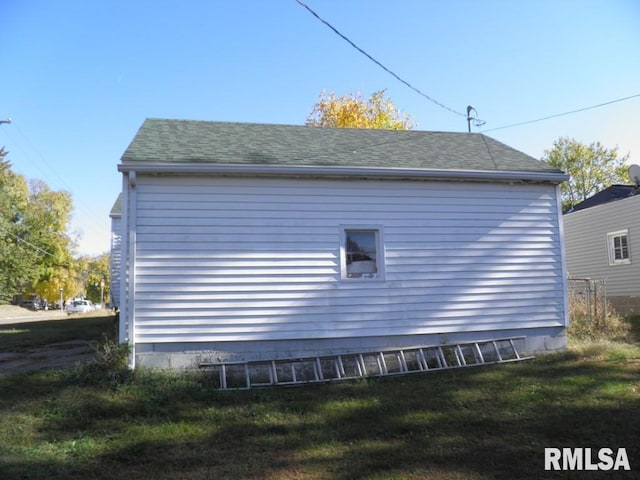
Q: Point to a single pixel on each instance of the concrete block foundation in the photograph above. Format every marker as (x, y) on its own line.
(181, 356)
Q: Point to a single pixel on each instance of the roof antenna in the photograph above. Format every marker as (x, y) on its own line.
(476, 121)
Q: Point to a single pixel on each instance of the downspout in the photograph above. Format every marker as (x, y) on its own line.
(131, 270)
(124, 262)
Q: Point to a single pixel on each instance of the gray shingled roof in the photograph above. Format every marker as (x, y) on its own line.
(187, 141)
(609, 194)
(116, 210)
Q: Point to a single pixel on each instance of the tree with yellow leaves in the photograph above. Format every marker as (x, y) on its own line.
(354, 111)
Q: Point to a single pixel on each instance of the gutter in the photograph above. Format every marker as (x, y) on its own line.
(335, 171)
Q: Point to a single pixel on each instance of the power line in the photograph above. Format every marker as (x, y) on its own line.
(35, 247)
(79, 205)
(563, 114)
(397, 77)
(419, 92)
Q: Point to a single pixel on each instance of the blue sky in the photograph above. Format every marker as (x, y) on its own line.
(79, 77)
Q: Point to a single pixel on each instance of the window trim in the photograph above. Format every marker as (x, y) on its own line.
(380, 256)
(611, 236)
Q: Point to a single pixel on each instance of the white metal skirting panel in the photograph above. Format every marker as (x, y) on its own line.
(259, 259)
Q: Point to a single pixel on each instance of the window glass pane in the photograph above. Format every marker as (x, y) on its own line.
(624, 247)
(620, 247)
(617, 248)
(361, 251)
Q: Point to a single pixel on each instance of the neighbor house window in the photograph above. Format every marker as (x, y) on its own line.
(618, 245)
(362, 253)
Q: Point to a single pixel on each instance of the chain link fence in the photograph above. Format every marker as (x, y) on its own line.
(588, 301)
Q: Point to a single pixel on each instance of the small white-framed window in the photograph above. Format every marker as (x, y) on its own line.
(361, 253)
(618, 247)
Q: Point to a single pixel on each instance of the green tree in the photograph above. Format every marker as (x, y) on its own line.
(353, 111)
(17, 268)
(97, 271)
(35, 250)
(592, 168)
(47, 221)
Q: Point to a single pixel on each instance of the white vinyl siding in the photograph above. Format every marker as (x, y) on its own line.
(115, 255)
(243, 259)
(588, 249)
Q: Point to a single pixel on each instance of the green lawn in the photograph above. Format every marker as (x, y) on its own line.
(483, 423)
(21, 336)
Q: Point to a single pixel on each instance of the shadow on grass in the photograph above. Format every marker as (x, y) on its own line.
(634, 321)
(22, 336)
(472, 424)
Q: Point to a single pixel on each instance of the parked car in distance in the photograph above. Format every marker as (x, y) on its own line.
(33, 303)
(80, 306)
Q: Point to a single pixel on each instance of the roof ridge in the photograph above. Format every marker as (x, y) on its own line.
(296, 125)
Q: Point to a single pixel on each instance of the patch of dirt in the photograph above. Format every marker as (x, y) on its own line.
(55, 355)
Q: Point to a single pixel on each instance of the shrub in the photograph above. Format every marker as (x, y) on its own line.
(110, 365)
(585, 324)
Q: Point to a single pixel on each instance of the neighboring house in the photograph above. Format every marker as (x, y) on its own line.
(247, 242)
(603, 243)
(116, 250)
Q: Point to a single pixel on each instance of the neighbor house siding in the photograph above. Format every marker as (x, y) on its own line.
(586, 244)
(115, 256)
(241, 259)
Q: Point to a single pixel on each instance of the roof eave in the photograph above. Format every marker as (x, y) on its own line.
(338, 171)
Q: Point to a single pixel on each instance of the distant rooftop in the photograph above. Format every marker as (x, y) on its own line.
(116, 210)
(610, 194)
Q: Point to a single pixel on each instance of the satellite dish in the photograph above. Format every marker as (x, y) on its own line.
(634, 173)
